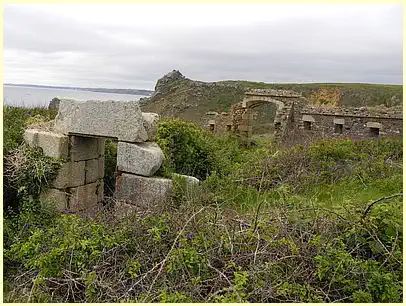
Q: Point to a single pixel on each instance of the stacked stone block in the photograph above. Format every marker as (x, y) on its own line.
(137, 164)
(78, 137)
(78, 186)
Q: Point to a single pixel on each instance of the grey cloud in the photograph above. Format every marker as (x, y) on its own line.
(304, 48)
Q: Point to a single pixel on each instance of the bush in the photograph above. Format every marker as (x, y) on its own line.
(191, 150)
(110, 165)
(15, 121)
(203, 254)
(26, 172)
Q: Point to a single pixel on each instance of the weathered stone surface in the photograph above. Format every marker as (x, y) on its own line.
(143, 191)
(84, 148)
(101, 146)
(71, 174)
(31, 137)
(142, 158)
(190, 180)
(52, 144)
(122, 210)
(116, 119)
(150, 124)
(85, 198)
(94, 169)
(308, 118)
(100, 191)
(59, 198)
(339, 121)
(374, 125)
(54, 104)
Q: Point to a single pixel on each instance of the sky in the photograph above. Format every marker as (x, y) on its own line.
(133, 45)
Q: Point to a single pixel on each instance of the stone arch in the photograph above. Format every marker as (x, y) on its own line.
(250, 103)
(254, 101)
(281, 119)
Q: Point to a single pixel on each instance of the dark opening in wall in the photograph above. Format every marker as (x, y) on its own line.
(307, 125)
(277, 126)
(338, 128)
(374, 131)
(228, 127)
(110, 166)
(211, 127)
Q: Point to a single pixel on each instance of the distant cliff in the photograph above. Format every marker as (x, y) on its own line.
(179, 97)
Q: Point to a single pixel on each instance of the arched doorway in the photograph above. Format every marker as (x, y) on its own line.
(263, 116)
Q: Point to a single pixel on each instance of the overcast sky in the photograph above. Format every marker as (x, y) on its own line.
(131, 46)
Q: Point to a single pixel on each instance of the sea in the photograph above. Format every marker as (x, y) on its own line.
(26, 96)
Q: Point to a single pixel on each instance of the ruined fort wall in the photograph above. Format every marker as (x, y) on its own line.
(353, 122)
(296, 120)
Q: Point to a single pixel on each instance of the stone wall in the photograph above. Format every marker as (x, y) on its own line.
(78, 138)
(78, 186)
(353, 122)
(296, 119)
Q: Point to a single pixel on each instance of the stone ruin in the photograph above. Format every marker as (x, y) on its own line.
(78, 137)
(296, 119)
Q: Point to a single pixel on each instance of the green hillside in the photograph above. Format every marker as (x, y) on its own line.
(179, 97)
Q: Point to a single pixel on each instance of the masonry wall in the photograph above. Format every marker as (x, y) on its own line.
(325, 126)
(78, 186)
(301, 121)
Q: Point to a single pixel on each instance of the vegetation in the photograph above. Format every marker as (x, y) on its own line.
(320, 222)
(190, 100)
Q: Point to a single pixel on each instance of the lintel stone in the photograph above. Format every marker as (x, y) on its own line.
(114, 119)
(308, 118)
(374, 125)
(339, 121)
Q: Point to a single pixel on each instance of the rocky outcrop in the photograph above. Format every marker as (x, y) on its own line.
(163, 85)
(180, 97)
(54, 104)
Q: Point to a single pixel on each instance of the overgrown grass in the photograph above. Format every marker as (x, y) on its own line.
(268, 224)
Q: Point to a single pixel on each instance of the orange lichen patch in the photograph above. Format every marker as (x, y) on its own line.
(330, 96)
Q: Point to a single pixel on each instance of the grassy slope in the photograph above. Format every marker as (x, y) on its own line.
(189, 100)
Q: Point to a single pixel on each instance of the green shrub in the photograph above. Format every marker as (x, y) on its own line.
(186, 148)
(15, 119)
(26, 172)
(191, 150)
(110, 165)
